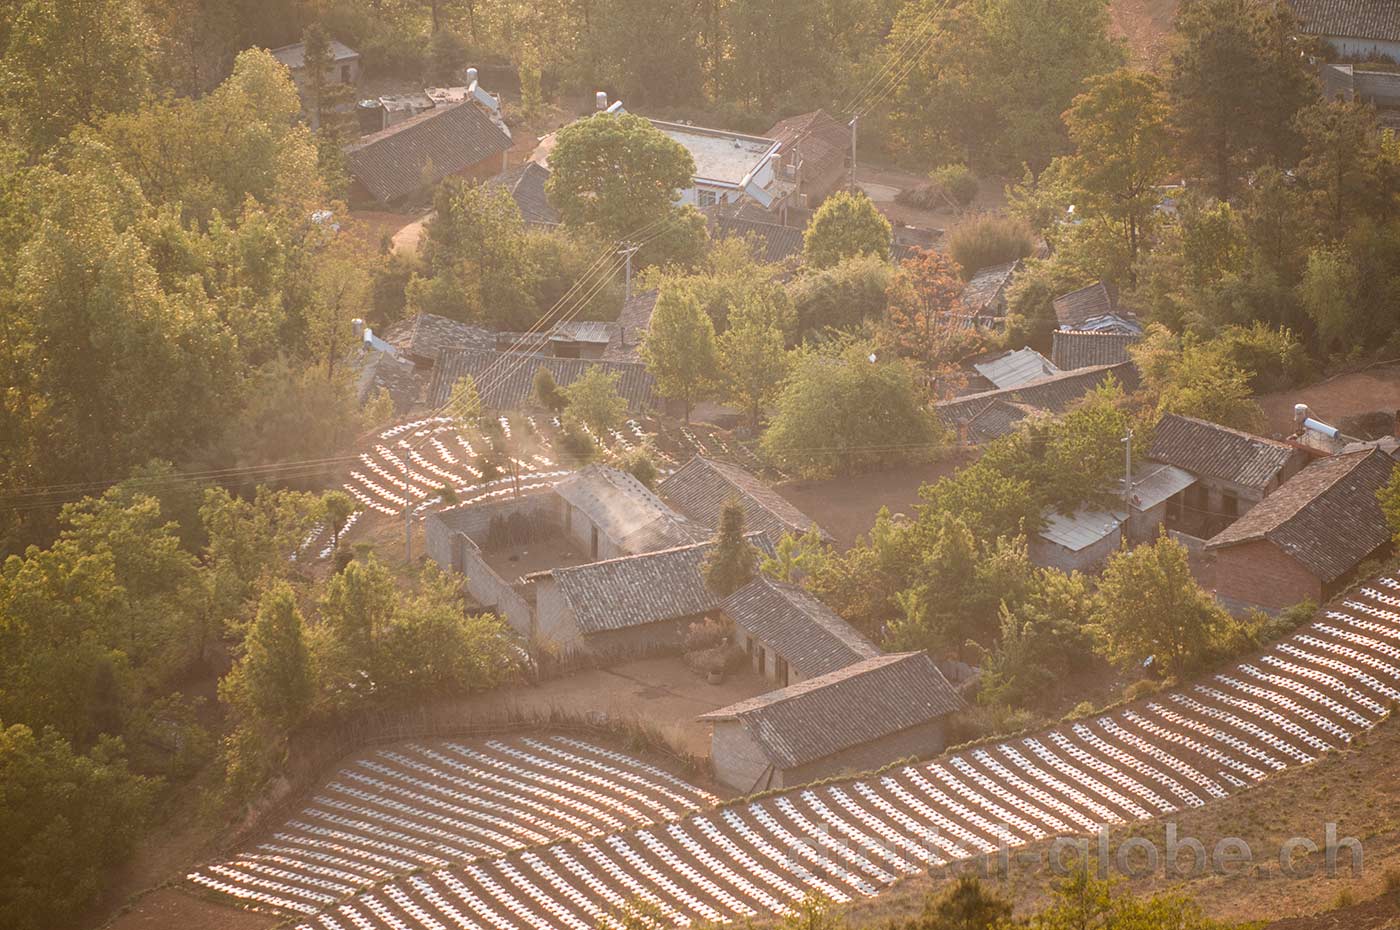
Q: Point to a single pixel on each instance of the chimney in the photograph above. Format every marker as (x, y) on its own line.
(600, 100)
(471, 76)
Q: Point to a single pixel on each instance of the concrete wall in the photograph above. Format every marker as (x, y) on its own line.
(556, 631)
(1143, 524)
(1259, 574)
(580, 527)
(491, 590)
(475, 521)
(1045, 553)
(740, 764)
(1365, 49)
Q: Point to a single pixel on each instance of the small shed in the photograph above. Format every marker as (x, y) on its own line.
(701, 487)
(612, 514)
(789, 635)
(1013, 369)
(1078, 542)
(856, 719)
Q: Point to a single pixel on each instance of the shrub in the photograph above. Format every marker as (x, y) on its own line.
(1139, 689)
(547, 393)
(956, 183)
(989, 240)
(705, 634)
(638, 463)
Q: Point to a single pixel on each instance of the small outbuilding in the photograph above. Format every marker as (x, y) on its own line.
(465, 140)
(855, 719)
(700, 489)
(791, 636)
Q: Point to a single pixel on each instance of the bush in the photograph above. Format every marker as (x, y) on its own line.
(989, 240)
(447, 56)
(1140, 689)
(705, 634)
(547, 393)
(843, 296)
(639, 465)
(956, 183)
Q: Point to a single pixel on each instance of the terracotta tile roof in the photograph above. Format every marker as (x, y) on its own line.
(390, 164)
(1326, 516)
(526, 185)
(506, 380)
(636, 590)
(1082, 349)
(1210, 450)
(794, 624)
(1355, 19)
(822, 716)
(701, 488)
(1054, 394)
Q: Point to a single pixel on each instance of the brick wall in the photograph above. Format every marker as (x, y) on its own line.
(1259, 574)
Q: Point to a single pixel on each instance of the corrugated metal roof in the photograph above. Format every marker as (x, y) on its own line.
(701, 488)
(390, 164)
(506, 380)
(1326, 517)
(1013, 369)
(1054, 394)
(1111, 323)
(866, 701)
(636, 590)
(1154, 482)
(795, 625)
(1214, 451)
(1081, 529)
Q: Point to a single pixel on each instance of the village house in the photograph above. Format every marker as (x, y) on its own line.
(770, 242)
(1306, 540)
(854, 719)
(506, 380)
(789, 635)
(1234, 471)
(1359, 30)
(1094, 309)
(1075, 349)
(988, 415)
(1014, 369)
(816, 152)
(702, 487)
(526, 186)
(466, 140)
(343, 69)
(984, 295)
(402, 359)
(612, 514)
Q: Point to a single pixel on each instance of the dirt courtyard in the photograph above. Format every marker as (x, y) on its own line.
(1373, 390)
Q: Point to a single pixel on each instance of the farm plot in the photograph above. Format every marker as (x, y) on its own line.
(427, 805)
(1305, 695)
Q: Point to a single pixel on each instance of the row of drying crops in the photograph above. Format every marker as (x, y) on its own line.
(1308, 694)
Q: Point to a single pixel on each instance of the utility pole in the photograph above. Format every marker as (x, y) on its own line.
(628, 251)
(854, 121)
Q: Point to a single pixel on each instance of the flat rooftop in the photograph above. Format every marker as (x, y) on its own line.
(720, 156)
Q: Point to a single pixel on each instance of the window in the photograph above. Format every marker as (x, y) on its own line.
(345, 74)
(782, 672)
(593, 542)
(762, 660)
(705, 198)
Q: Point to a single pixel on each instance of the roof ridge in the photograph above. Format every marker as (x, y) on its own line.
(1360, 455)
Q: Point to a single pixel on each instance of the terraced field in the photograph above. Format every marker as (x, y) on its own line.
(431, 804)
(1305, 695)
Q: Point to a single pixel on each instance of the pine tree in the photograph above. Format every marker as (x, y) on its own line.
(731, 562)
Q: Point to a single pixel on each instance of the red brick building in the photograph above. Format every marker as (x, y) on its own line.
(1305, 540)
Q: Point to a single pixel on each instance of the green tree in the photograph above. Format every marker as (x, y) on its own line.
(960, 101)
(1187, 376)
(679, 349)
(1347, 166)
(863, 583)
(752, 360)
(464, 405)
(843, 296)
(66, 63)
(272, 682)
(593, 401)
(1330, 293)
(339, 507)
(1042, 642)
(327, 98)
(1121, 145)
(732, 561)
(1236, 81)
(1149, 606)
(845, 225)
(796, 558)
(844, 412)
(69, 819)
(617, 173)
(546, 391)
(966, 904)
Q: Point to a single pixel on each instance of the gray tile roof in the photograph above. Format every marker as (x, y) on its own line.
(997, 419)
(772, 242)
(1082, 349)
(822, 716)
(506, 380)
(633, 323)
(1076, 307)
(626, 511)
(1326, 516)
(1054, 394)
(794, 624)
(1210, 450)
(294, 55)
(820, 140)
(428, 336)
(985, 293)
(390, 164)
(526, 186)
(636, 590)
(1355, 19)
(701, 488)
(380, 371)
(1013, 369)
